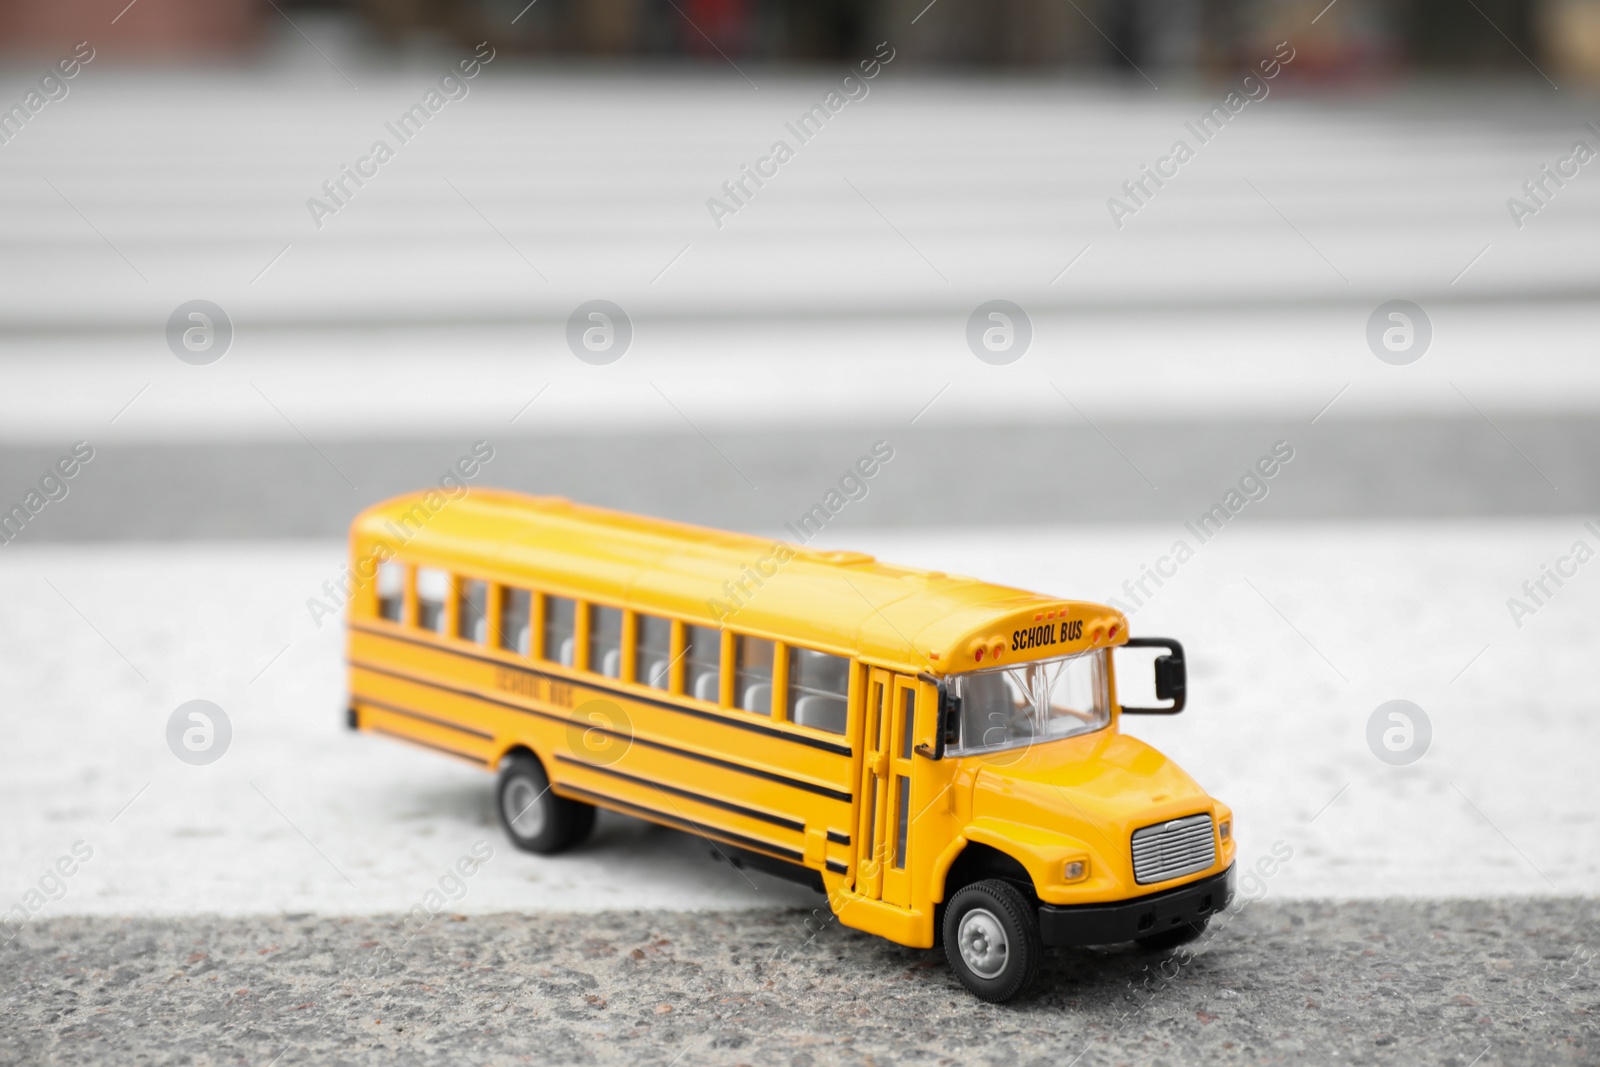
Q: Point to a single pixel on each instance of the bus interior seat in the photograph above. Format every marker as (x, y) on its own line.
(706, 688)
(757, 698)
(565, 657)
(657, 673)
(611, 663)
(820, 713)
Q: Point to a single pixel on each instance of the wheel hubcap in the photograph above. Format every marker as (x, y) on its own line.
(982, 941)
(523, 807)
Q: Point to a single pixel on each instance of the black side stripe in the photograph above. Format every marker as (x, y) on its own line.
(838, 838)
(754, 772)
(427, 744)
(589, 682)
(408, 713)
(794, 856)
(797, 825)
(754, 844)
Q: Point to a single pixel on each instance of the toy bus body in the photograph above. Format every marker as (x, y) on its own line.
(808, 712)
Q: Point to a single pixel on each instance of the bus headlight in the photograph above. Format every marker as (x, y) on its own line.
(1075, 871)
(1225, 829)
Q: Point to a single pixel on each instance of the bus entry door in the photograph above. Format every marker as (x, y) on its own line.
(886, 816)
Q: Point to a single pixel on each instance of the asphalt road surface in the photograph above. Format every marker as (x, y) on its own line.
(1369, 468)
(1459, 982)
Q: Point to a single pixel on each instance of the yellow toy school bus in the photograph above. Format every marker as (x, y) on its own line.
(940, 756)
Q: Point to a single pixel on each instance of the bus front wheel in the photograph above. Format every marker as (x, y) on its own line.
(991, 938)
(534, 818)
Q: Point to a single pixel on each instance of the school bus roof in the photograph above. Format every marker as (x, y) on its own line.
(845, 602)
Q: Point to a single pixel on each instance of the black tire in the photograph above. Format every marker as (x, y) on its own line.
(991, 938)
(534, 818)
(1181, 934)
(582, 823)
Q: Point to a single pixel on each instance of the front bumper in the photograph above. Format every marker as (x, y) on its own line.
(1107, 924)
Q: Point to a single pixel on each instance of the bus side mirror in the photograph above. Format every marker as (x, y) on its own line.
(1170, 678)
(1171, 675)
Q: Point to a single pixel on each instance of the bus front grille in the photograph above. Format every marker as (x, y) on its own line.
(1173, 849)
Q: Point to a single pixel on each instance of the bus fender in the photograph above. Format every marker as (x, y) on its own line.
(505, 750)
(941, 867)
(1038, 851)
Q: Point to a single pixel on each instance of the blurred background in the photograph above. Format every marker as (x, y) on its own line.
(1352, 39)
(369, 329)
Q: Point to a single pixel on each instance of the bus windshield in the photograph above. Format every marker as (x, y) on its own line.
(1008, 707)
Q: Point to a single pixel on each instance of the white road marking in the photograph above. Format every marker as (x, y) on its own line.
(1268, 729)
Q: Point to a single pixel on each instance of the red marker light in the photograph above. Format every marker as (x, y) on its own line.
(977, 657)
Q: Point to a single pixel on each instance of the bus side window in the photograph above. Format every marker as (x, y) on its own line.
(819, 690)
(605, 640)
(703, 663)
(472, 610)
(433, 589)
(392, 591)
(560, 629)
(515, 617)
(652, 656)
(752, 674)
(908, 726)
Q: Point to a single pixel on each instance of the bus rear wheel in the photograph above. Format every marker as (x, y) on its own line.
(534, 818)
(991, 938)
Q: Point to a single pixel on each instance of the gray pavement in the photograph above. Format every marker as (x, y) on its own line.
(1417, 982)
(1356, 468)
